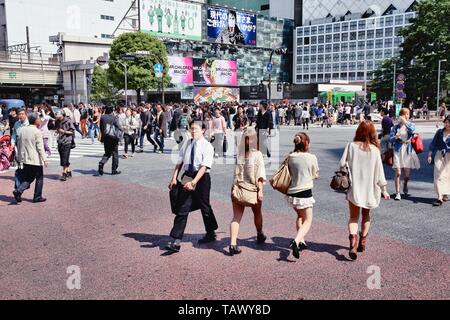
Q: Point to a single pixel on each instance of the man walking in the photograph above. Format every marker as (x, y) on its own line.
(66, 136)
(264, 125)
(160, 128)
(111, 144)
(195, 159)
(31, 157)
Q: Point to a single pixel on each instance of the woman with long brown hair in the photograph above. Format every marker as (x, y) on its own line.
(249, 178)
(363, 160)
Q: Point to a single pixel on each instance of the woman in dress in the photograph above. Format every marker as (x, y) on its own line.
(304, 169)
(441, 147)
(363, 160)
(250, 173)
(405, 158)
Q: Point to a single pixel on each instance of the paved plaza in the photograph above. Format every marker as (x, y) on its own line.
(115, 228)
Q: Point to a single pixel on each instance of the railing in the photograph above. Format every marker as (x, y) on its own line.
(32, 58)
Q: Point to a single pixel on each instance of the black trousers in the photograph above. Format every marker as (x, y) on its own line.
(129, 139)
(111, 150)
(201, 194)
(28, 175)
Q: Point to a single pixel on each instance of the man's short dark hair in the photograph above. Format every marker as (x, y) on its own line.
(384, 110)
(20, 110)
(109, 109)
(203, 124)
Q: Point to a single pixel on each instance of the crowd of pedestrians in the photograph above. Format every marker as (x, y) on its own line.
(201, 135)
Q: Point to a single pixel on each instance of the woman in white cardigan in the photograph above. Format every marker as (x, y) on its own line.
(362, 157)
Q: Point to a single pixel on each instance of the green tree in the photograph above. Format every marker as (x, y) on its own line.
(102, 89)
(427, 41)
(140, 70)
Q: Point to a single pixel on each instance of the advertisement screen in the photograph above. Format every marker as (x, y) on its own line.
(215, 72)
(181, 70)
(216, 94)
(231, 27)
(172, 19)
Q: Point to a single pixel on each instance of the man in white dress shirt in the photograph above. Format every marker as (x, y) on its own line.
(195, 160)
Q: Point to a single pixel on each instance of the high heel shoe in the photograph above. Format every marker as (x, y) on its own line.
(353, 246)
(234, 250)
(295, 249)
(362, 243)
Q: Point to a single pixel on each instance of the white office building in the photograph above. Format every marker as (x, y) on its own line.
(45, 18)
(348, 46)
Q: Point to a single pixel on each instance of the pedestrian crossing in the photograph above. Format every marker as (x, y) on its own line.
(83, 148)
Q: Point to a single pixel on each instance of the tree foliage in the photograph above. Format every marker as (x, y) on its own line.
(102, 89)
(140, 71)
(426, 42)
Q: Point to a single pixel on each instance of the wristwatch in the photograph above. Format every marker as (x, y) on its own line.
(193, 184)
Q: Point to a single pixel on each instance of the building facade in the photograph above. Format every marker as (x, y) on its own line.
(348, 47)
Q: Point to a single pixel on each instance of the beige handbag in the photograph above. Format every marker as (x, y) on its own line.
(281, 180)
(244, 193)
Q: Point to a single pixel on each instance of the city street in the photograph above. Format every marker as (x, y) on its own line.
(115, 229)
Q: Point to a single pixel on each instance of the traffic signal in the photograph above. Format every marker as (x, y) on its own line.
(281, 51)
(261, 87)
(279, 87)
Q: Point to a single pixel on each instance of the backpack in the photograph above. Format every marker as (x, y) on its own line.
(183, 122)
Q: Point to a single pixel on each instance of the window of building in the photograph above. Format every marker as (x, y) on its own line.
(344, 56)
(344, 75)
(398, 41)
(345, 26)
(344, 66)
(306, 50)
(107, 36)
(320, 49)
(353, 25)
(320, 78)
(370, 44)
(328, 28)
(336, 47)
(299, 32)
(105, 17)
(306, 78)
(313, 69)
(369, 65)
(361, 35)
(399, 20)
(335, 57)
(344, 36)
(313, 30)
(321, 29)
(306, 41)
(313, 78)
(328, 48)
(327, 77)
(388, 43)
(305, 59)
(389, 21)
(380, 22)
(352, 66)
(389, 32)
(328, 58)
(307, 31)
(379, 33)
(352, 46)
(337, 27)
(299, 50)
(362, 25)
(378, 64)
(328, 67)
(352, 56)
(379, 54)
(361, 55)
(335, 66)
(370, 34)
(379, 43)
(344, 46)
(369, 55)
(313, 40)
(299, 78)
(360, 76)
(351, 76)
(321, 39)
(305, 69)
(371, 23)
(328, 38)
(313, 49)
(337, 37)
(360, 66)
(397, 30)
(388, 53)
(320, 58)
(352, 36)
(361, 45)
(299, 60)
(313, 59)
(336, 75)
(409, 17)
(320, 68)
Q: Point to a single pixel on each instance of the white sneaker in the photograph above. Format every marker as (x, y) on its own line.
(398, 197)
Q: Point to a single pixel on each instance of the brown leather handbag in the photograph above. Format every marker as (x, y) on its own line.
(389, 157)
(281, 180)
(244, 193)
(341, 180)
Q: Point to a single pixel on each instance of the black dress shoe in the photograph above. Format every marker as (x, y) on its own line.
(63, 177)
(69, 174)
(114, 173)
(234, 250)
(261, 238)
(17, 196)
(100, 170)
(39, 200)
(211, 237)
(295, 249)
(173, 247)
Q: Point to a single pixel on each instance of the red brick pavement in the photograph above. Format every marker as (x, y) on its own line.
(116, 233)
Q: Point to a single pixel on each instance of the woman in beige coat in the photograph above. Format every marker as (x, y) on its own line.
(363, 160)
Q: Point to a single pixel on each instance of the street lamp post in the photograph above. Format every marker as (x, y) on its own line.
(439, 83)
(393, 86)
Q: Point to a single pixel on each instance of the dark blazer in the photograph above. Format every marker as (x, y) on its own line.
(264, 121)
(161, 123)
(111, 120)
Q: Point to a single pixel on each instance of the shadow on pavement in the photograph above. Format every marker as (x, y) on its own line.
(419, 200)
(86, 172)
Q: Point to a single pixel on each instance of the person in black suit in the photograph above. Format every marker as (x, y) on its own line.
(264, 125)
(111, 145)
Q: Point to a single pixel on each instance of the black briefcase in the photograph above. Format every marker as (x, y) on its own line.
(182, 201)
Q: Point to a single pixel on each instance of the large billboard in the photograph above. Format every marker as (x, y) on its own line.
(181, 70)
(215, 72)
(172, 19)
(231, 26)
(216, 94)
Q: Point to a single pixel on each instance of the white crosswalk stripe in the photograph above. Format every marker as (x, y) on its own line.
(83, 148)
